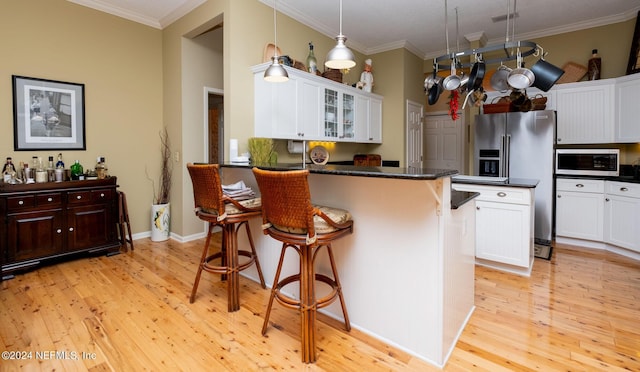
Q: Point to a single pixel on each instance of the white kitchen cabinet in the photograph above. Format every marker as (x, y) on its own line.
(580, 208)
(627, 107)
(504, 226)
(622, 215)
(313, 108)
(585, 112)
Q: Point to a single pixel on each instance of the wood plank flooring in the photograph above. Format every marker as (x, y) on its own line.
(131, 312)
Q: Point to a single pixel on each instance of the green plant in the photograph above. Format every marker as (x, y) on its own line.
(260, 149)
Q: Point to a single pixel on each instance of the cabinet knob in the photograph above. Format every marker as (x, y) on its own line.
(71, 229)
(501, 194)
(49, 199)
(607, 199)
(102, 195)
(59, 231)
(624, 189)
(79, 197)
(559, 196)
(559, 139)
(580, 185)
(21, 202)
(477, 208)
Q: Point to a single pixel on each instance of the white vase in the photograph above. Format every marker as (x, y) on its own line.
(160, 222)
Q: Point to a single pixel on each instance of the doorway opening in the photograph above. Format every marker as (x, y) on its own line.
(215, 130)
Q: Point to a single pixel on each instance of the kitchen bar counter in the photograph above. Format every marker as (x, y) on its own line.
(407, 271)
(350, 170)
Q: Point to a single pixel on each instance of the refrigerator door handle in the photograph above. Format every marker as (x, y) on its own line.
(507, 155)
(503, 155)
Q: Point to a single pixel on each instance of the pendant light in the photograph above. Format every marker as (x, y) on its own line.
(275, 73)
(340, 57)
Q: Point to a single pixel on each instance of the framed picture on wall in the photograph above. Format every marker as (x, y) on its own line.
(47, 115)
(634, 55)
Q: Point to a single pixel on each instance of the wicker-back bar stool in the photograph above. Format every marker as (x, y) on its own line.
(289, 216)
(212, 206)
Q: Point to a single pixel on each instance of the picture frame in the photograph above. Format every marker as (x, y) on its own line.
(634, 54)
(48, 115)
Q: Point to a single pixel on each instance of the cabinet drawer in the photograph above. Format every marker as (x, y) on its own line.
(79, 197)
(631, 190)
(580, 185)
(102, 196)
(49, 200)
(514, 195)
(16, 203)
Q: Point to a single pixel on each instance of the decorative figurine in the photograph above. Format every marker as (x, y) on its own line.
(366, 78)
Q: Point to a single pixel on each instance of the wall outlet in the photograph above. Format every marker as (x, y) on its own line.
(176, 156)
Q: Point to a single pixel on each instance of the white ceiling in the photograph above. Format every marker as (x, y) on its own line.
(374, 26)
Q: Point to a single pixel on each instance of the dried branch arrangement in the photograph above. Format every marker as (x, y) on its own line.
(164, 190)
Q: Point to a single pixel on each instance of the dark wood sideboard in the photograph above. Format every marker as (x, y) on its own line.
(44, 222)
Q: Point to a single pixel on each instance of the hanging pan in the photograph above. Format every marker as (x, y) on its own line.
(477, 74)
(546, 73)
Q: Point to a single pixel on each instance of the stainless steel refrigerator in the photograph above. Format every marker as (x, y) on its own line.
(520, 145)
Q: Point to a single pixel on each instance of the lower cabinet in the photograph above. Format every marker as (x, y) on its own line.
(42, 222)
(622, 215)
(602, 212)
(504, 226)
(580, 208)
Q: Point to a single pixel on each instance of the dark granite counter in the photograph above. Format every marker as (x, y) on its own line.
(509, 182)
(629, 179)
(459, 198)
(351, 170)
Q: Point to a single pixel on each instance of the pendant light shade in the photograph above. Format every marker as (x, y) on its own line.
(340, 57)
(275, 73)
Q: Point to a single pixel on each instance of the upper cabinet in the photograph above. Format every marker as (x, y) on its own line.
(585, 112)
(627, 127)
(313, 108)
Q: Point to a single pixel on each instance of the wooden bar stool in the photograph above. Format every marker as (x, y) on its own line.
(289, 216)
(212, 206)
(123, 219)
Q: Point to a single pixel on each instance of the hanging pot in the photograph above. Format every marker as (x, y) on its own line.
(499, 79)
(452, 81)
(477, 75)
(521, 77)
(546, 74)
(434, 92)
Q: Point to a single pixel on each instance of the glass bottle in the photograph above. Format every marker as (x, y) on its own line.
(60, 163)
(41, 172)
(101, 168)
(28, 174)
(594, 66)
(77, 172)
(312, 63)
(50, 170)
(9, 171)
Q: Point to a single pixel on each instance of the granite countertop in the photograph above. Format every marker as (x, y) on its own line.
(358, 171)
(508, 182)
(629, 179)
(459, 198)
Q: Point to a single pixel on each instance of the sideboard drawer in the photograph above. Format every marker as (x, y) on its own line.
(17, 203)
(79, 197)
(49, 200)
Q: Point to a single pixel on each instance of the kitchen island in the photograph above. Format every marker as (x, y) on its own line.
(407, 271)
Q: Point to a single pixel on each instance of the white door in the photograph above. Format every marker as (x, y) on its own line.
(444, 142)
(414, 134)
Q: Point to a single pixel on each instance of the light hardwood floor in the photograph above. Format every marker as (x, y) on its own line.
(131, 312)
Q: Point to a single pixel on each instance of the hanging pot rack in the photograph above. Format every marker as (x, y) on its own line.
(526, 48)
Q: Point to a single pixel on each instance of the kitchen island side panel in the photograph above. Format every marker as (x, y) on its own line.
(397, 278)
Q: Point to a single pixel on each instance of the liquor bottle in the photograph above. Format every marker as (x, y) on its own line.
(51, 175)
(41, 172)
(101, 168)
(28, 174)
(60, 163)
(312, 63)
(77, 172)
(594, 66)
(9, 171)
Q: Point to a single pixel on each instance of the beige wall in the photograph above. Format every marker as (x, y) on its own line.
(120, 64)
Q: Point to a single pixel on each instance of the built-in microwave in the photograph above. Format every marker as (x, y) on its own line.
(588, 162)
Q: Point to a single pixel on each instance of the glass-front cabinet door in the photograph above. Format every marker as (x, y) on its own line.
(331, 113)
(348, 103)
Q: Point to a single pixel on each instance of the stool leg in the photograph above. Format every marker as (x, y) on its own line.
(233, 280)
(347, 323)
(307, 305)
(126, 219)
(274, 289)
(255, 255)
(202, 262)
